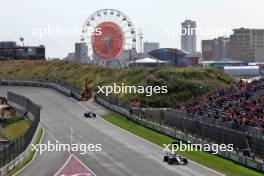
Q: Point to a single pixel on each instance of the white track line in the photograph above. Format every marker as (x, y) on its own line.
(33, 156)
(150, 142)
(63, 166)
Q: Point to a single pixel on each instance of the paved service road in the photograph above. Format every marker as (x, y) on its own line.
(123, 153)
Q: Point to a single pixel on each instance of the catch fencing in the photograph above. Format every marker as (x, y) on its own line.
(186, 127)
(9, 152)
(196, 129)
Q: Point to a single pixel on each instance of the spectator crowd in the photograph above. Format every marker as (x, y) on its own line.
(242, 104)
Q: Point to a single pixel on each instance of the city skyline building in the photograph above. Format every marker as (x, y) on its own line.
(216, 49)
(81, 53)
(188, 37)
(247, 45)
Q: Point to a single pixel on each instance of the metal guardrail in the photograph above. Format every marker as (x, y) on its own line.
(45, 79)
(157, 115)
(15, 151)
(53, 86)
(207, 128)
(123, 107)
(234, 156)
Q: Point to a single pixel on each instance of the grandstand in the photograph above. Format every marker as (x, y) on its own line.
(241, 104)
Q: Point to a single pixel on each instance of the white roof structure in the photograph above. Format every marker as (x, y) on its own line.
(256, 63)
(240, 67)
(148, 60)
(222, 62)
(242, 70)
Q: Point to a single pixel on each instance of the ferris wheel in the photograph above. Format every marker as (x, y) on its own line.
(110, 36)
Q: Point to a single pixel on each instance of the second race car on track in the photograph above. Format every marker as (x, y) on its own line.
(172, 158)
(89, 114)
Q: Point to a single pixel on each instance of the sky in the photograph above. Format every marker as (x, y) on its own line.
(156, 18)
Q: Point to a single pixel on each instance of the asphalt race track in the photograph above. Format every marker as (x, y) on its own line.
(123, 153)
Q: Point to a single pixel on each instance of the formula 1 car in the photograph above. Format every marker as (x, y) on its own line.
(172, 158)
(89, 114)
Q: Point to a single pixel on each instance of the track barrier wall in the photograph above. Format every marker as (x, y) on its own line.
(60, 88)
(16, 151)
(181, 128)
(176, 124)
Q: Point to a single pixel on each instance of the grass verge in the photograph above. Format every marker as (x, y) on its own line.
(13, 130)
(182, 83)
(30, 156)
(214, 162)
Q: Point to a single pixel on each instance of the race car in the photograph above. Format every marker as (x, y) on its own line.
(89, 114)
(172, 158)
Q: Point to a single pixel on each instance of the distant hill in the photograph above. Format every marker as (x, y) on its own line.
(183, 83)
